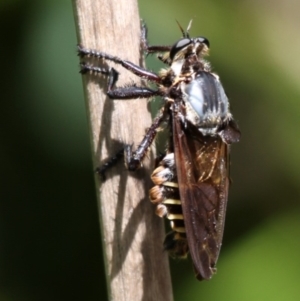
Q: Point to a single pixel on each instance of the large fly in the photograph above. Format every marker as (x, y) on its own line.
(192, 178)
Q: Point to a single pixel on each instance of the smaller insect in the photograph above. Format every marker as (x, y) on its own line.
(192, 179)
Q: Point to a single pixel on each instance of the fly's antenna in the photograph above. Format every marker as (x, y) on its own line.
(188, 28)
(185, 34)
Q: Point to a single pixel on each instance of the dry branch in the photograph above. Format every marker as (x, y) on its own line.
(136, 266)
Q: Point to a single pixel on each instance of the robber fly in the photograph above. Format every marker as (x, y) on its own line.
(191, 179)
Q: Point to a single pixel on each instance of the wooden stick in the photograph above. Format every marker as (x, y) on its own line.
(136, 266)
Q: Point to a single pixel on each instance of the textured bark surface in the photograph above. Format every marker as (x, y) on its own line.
(136, 266)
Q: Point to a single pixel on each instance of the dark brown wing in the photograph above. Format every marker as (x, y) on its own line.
(202, 170)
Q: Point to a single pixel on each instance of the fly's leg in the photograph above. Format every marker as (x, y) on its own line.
(127, 92)
(145, 45)
(137, 70)
(154, 48)
(133, 159)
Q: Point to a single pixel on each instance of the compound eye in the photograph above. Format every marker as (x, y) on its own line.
(179, 46)
(203, 40)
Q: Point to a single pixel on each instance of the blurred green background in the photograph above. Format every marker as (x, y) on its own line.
(50, 247)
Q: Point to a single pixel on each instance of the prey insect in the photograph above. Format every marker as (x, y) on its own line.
(191, 179)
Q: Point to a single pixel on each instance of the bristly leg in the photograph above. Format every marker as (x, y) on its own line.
(111, 73)
(137, 70)
(145, 45)
(133, 159)
(127, 92)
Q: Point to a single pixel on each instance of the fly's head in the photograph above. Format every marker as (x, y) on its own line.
(188, 51)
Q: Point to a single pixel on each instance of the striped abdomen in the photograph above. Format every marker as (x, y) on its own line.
(165, 194)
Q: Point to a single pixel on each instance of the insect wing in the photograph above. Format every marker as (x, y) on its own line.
(202, 171)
